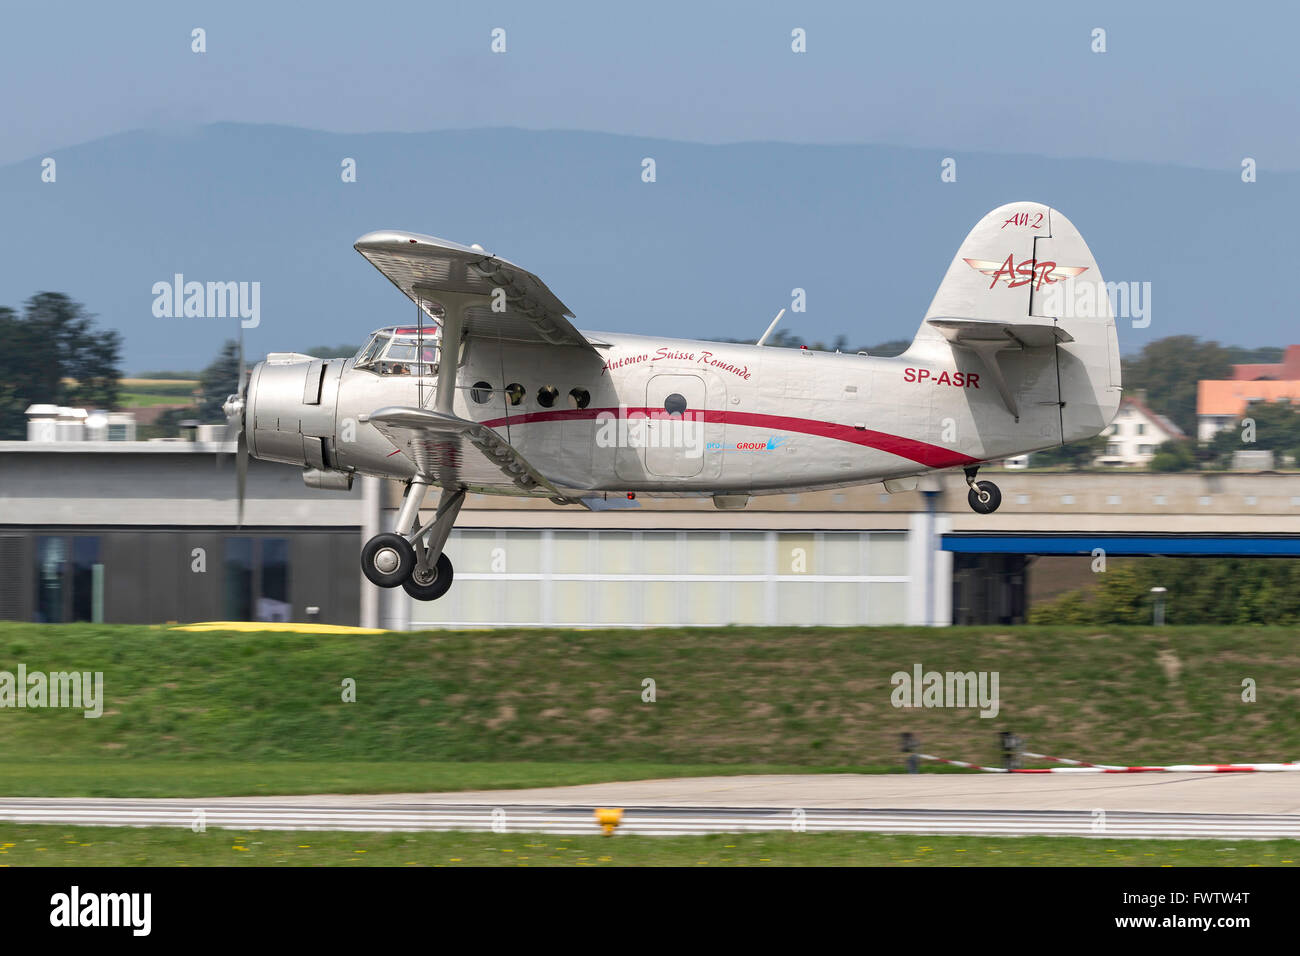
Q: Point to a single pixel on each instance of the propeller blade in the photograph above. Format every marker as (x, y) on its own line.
(241, 472)
(236, 409)
(243, 382)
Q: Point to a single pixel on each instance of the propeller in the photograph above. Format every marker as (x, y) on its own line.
(236, 409)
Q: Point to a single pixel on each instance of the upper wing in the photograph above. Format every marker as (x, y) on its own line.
(422, 266)
(455, 451)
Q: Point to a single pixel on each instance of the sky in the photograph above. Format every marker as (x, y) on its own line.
(1192, 84)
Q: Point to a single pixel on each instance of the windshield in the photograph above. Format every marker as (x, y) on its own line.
(372, 349)
(400, 352)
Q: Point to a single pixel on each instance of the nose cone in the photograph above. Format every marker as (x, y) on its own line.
(233, 407)
(290, 411)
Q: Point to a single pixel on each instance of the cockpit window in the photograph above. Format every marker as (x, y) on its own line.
(372, 349)
(400, 351)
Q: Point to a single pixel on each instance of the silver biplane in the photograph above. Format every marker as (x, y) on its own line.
(499, 393)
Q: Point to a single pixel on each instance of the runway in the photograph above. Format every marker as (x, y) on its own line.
(663, 821)
(1175, 806)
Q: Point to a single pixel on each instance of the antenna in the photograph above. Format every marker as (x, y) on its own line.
(764, 336)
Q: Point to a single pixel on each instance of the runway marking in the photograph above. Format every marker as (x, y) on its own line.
(665, 821)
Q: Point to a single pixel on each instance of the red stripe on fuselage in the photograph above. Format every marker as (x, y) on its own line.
(932, 456)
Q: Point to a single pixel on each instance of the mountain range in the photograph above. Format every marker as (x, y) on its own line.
(712, 248)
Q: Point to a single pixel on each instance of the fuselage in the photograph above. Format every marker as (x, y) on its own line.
(658, 415)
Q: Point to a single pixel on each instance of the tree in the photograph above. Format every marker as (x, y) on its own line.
(54, 354)
(1177, 454)
(1239, 591)
(1266, 426)
(1169, 369)
(1264, 355)
(334, 351)
(1075, 455)
(217, 382)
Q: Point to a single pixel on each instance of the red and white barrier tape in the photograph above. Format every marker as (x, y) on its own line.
(1105, 768)
(1066, 760)
(962, 763)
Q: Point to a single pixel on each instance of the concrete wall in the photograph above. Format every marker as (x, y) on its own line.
(157, 483)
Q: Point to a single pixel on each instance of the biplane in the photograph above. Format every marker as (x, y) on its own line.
(493, 390)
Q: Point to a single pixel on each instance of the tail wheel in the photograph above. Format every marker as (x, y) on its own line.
(387, 560)
(431, 583)
(984, 497)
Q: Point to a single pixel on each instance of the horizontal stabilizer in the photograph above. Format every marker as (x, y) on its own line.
(988, 337)
(1030, 332)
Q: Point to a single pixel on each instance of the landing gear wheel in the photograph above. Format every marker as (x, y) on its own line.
(984, 497)
(387, 560)
(430, 584)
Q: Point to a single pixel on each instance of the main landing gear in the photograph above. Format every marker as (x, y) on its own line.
(984, 496)
(414, 559)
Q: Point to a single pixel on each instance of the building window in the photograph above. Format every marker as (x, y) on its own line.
(87, 580)
(239, 579)
(257, 579)
(69, 579)
(1141, 429)
(50, 557)
(1145, 449)
(273, 602)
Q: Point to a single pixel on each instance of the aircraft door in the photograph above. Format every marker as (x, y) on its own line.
(676, 433)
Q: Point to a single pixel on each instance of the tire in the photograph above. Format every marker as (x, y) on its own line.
(387, 560)
(980, 506)
(436, 587)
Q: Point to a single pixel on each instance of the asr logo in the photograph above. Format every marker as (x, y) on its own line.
(1029, 270)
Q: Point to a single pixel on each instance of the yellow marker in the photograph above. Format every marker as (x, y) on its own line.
(609, 818)
(249, 626)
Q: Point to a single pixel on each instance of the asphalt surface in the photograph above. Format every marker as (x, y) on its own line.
(1158, 805)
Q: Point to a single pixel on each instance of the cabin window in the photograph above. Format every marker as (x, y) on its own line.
(515, 393)
(579, 398)
(481, 392)
(546, 395)
(675, 404)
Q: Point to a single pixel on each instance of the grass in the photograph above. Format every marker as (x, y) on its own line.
(47, 845)
(189, 714)
(161, 386)
(145, 400)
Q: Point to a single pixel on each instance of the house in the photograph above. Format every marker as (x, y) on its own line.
(1135, 434)
(1221, 402)
(1287, 370)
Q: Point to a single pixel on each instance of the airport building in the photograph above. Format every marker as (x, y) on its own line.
(146, 532)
